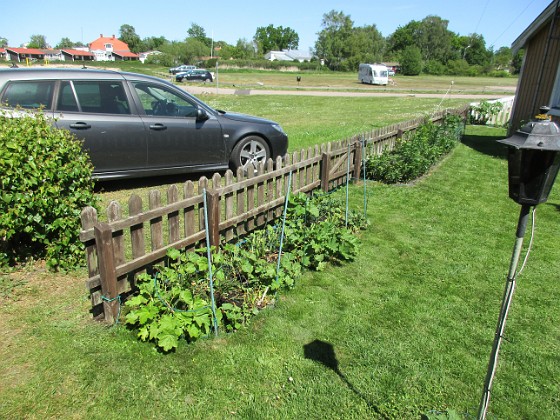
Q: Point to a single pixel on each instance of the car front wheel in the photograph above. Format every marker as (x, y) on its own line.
(252, 150)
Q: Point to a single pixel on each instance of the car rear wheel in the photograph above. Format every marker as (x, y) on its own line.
(252, 150)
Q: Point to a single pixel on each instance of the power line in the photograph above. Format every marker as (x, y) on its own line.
(512, 22)
(481, 16)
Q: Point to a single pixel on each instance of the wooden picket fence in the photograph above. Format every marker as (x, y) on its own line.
(228, 206)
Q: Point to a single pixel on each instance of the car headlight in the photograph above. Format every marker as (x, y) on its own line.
(277, 127)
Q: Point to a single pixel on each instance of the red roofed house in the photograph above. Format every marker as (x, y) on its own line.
(70, 54)
(111, 48)
(21, 54)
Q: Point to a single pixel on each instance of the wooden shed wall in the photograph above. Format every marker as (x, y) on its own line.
(542, 55)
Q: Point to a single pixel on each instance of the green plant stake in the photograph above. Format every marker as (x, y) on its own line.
(347, 186)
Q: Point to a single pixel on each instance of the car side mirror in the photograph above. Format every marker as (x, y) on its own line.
(201, 114)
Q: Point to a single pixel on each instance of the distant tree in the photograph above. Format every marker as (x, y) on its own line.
(37, 41)
(64, 43)
(344, 47)
(475, 52)
(223, 50)
(434, 67)
(404, 36)
(517, 61)
(411, 61)
(271, 38)
(366, 46)
(3, 42)
(193, 50)
(458, 67)
(244, 49)
(153, 43)
(333, 41)
(434, 39)
(430, 35)
(128, 35)
(503, 58)
(198, 32)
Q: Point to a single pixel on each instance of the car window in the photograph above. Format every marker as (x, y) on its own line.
(29, 94)
(158, 100)
(66, 98)
(104, 97)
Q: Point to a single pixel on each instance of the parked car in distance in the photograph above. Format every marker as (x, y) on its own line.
(181, 68)
(198, 74)
(134, 125)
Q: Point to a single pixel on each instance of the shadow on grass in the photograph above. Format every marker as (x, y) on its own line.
(486, 144)
(147, 182)
(556, 206)
(323, 353)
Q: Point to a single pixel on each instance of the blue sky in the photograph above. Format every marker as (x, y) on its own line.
(499, 21)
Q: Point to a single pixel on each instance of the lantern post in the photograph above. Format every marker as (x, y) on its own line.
(533, 163)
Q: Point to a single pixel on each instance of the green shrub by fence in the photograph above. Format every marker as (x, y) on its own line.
(415, 154)
(45, 182)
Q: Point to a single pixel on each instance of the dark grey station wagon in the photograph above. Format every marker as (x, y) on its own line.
(135, 125)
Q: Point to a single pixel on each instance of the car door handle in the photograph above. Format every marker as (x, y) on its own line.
(80, 126)
(158, 127)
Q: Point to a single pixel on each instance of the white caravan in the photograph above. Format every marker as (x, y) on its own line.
(375, 74)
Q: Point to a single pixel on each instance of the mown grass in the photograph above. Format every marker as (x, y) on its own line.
(405, 329)
(311, 120)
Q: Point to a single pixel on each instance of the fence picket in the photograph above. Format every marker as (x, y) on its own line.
(89, 219)
(156, 225)
(173, 221)
(229, 205)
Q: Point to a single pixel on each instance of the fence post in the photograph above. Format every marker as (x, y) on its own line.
(213, 200)
(107, 271)
(325, 169)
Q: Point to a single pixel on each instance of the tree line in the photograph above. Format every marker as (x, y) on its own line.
(425, 46)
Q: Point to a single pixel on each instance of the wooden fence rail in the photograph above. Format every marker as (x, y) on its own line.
(117, 250)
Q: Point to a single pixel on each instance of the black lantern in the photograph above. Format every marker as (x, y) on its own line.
(533, 161)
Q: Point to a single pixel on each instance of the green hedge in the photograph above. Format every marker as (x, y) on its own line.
(412, 158)
(46, 181)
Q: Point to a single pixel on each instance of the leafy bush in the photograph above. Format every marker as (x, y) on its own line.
(46, 181)
(499, 73)
(176, 302)
(412, 158)
(434, 67)
(484, 111)
(411, 61)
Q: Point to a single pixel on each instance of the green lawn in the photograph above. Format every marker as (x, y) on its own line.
(311, 120)
(406, 329)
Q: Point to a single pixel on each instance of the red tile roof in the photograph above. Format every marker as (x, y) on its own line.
(77, 52)
(34, 51)
(126, 54)
(99, 44)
